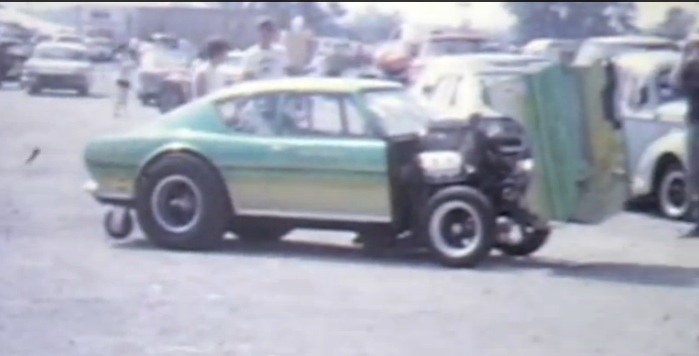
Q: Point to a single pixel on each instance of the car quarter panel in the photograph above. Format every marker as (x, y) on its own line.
(114, 162)
(673, 143)
(309, 177)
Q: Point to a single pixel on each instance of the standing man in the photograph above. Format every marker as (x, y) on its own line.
(127, 65)
(208, 76)
(686, 78)
(300, 46)
(267, 59)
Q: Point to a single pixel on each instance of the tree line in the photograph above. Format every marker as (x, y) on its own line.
(570, 20)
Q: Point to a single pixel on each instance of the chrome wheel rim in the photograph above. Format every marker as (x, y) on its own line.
(674, 197)
(455, 229)
(176, 204)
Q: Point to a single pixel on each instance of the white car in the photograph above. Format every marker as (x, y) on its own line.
(100, 49)
(55, 65)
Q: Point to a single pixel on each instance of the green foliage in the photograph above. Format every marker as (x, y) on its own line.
(572, 20)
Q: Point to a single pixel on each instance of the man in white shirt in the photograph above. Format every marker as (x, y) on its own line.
(208, 76)
(300, 44)
(267, 59)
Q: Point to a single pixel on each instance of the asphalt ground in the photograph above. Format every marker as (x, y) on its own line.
(628, 287)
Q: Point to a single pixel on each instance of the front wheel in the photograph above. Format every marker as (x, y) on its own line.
(460, 227)
(183, 204)
(672, 193)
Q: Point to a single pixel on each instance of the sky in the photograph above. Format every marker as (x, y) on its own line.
(483, 15)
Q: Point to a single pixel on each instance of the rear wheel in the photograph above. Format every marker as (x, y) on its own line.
(672, 193)
(83, 91)
(459, 227)
(182, 204)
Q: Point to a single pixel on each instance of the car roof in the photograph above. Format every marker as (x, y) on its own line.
(73, 46)
(628, 39)
(647, 61)
(484, 60)
(308, 84)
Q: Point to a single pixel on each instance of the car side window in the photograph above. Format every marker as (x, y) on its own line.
(356, 122)
(311, 115)
(666, 91)
(637, 94)
(254, 115)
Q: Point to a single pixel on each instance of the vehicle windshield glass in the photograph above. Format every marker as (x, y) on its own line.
(60, 53)
(450, 46)
(168, 59)
(399, 111)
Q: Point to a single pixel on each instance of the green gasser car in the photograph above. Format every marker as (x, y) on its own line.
(265, 157)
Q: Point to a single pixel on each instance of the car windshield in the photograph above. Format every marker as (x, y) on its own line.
(168, 59)
(400, 113)
(451, 46)
(60, 53)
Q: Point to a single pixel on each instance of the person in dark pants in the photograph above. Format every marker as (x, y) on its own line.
(686, 79)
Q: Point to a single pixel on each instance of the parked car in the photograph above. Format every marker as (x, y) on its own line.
(55, 65)
(264, 157)
(401, 59)
(604, 48)
(156, 64)
(100, 49)
(13, 53)
(469, 65)
(653, 115)
(176, 88)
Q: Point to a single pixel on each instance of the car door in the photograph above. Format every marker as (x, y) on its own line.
(248, 155)
(328, 163)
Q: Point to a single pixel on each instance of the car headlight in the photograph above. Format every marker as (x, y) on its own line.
(493, 128)
(445, 163)
(525, 165)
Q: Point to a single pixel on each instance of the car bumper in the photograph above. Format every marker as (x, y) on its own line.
(109, 198)
(56, 80)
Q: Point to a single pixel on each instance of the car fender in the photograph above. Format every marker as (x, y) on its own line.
(673, 143)
(180, 148)
(170, 148)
